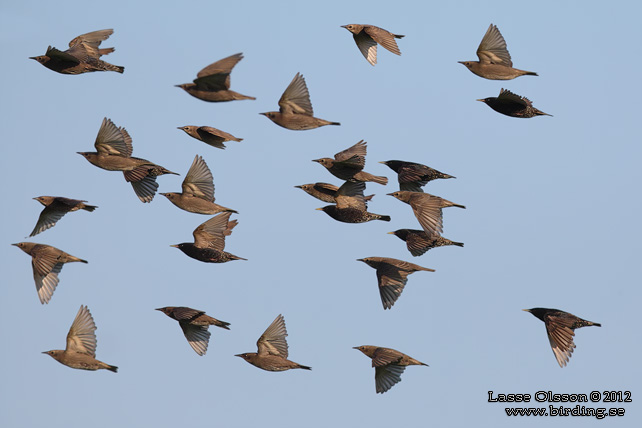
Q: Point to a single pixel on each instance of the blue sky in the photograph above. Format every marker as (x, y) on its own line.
(552, 214)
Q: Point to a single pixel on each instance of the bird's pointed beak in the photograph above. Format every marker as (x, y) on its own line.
(390, 233)
(526, 310)
(383, 162)
(461, 62)
(390, 194)
(316, 160)
(318, 209)
(175, 245)
(355, 347)
(178, 86)
(359, 260)
(263, 114)
(482, 100)
(32, 57)
(239, 355)
(299, 187)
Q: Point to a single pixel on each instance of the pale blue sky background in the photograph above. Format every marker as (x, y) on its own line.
(552, 219)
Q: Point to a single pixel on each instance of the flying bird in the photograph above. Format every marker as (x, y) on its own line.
(427, 208)
(295, 109)
(212, 136)
(198, 191)
(55, 208)
(560, 328)
(195, 325)
(325, 192)
(368, 36)
(512, 105)
(114, 153)
(209, 240)
(80, 352)
(494, 60)
(389, 364)
(83, 55)
(212, 83)
(418, 241)
(272, 352)
(392, 276)
(349, 163)
(351, 205)
(413, 176)
(47, 262)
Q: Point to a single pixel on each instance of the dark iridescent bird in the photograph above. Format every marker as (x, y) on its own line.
(295, 109)
(512, 105)
(80, 352)
(392, 276)
(418, 241)
(272, 352)
(212, 136)
(83, 55)
(413, 176)
(195, 325)
(198, 191)
(46, 262)
(351, 205)
(209, 240)
(114, 153)
(494, 60)
(212, 83)
(368, 36)
(55, 208)
(389, 364)
(560, 328)
(427, 208)
(349, 163)
(324, 191)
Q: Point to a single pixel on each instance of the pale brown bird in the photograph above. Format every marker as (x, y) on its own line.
(212, 83)
(418, 241)
(494, 60)
(560, 329)
(195, 325)
(46, 262)
(351, 205)
(392, 276)
(212, 136)
(295, 109)
(427, 209)
(348, 164)
(389, 364)
(209, 240)
(83, 55)
(198, 191)
(272, 352)
(55, 208)
(512, 105)
(367, 37)
(80, 352)
(114, 153)
(325, 192)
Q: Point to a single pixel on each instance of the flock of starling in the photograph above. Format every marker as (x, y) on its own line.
(347, 202)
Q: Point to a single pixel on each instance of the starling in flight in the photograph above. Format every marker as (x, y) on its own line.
(83, 55)
(348, 164)
(367, 37)
(512, 105)
(195, 325)
(80, 352)
(560, 328)
(324, 191)
(213, 82)
(392, 275)
(295, 109)
(418, 241)
(494, 60)
(198, 191)
(212, 136)
(351, 205)
(209, 240)
(272, 352)
(389, 364)
(427, 209)
(413, 176)
(55, 208)
(114, 153)
(47, 262)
